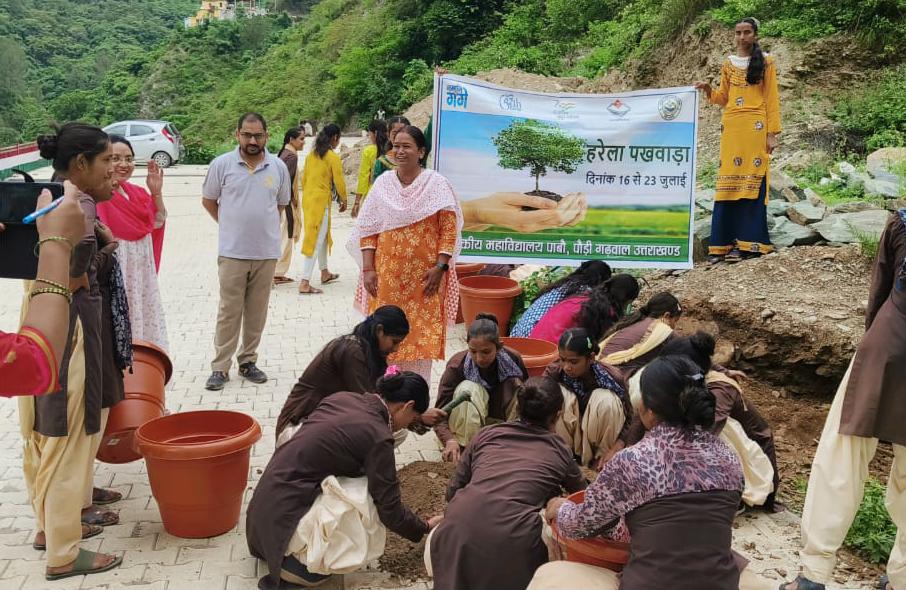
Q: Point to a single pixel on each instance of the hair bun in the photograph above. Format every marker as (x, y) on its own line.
(47, 146)
(697, 404)
(488, 316)
(703, 342)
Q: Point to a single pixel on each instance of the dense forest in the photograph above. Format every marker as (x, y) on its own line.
(102, 60)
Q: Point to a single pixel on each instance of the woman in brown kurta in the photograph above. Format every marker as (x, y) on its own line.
(636, 340)
(490, 373)
(353, 362)
(869, 406)
(490, 538)
(348, 435)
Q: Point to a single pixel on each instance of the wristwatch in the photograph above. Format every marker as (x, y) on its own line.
(443, 266)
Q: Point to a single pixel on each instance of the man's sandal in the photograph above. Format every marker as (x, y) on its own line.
(93, 531)
(102, 497)
(100, 517)
(802, 583)
(84, 565)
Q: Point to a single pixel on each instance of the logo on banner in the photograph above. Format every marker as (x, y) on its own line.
(457, 96)
(564, 110)
(619, 108)
(509, 102)
(670, 107)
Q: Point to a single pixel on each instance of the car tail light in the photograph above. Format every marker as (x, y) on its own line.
(167, 135)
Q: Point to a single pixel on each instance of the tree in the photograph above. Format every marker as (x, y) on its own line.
(538, 146)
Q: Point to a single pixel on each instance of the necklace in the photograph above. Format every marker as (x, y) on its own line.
(389, 417)
(406, 182)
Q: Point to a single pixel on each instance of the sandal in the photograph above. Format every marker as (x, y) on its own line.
(311, 291)
(715, 259)
(884, 583)
(331, 277)
(100, 517)
(282, 280)
(90, 530)
(733, 257)
(102, 497)
(84, 565)
(803, 583)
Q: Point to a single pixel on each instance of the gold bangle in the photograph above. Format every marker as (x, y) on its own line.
(51, 239)
(64, 292)
(52, 283)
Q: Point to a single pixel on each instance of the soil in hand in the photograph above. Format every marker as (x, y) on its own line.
(423, 485)
(545, 194)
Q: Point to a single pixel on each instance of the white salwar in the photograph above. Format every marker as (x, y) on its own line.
(146, 311)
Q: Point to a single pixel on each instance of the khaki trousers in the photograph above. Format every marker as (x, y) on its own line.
(57, 468)
(468, 418)
(592, 434)
(95, 441)
(835, 489)
(580, 576)
(286, 245)
(245, 289)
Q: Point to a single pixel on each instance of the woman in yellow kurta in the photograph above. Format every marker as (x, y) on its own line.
(377, 134)
(405, 240)
(321, 178)
(749, 129)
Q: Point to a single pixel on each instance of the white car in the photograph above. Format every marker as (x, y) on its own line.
(151, 140)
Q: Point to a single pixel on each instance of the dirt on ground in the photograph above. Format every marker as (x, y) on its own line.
(423, 485)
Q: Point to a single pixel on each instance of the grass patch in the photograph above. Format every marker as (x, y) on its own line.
(872, 532)
(868, 242)
(707, 174)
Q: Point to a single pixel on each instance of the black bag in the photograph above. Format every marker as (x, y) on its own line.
(17, 243)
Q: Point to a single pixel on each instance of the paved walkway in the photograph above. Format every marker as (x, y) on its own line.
(297, 327)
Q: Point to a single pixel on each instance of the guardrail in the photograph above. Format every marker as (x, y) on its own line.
(18, 149)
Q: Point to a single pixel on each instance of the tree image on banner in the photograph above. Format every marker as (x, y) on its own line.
(538, 146)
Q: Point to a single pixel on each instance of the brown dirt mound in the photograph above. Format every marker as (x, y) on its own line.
(423, 485)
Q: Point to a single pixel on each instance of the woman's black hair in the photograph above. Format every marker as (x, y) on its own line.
(420, 142)
(606, 304)
(405, 386)
(392, 320)
(325, 136)
(755, 71)
(539, 401)
(578, 341)
(291, 134)
(71, 140)
(396, 120)
(658, 305)
(699, 348)
(590, 274)
(673, 387)
(485, 326)
(120, 139)
(379, 128)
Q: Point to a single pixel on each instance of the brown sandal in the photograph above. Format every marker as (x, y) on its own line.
(89, 530)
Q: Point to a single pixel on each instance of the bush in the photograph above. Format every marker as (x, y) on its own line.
(872, 532)
(876, 114)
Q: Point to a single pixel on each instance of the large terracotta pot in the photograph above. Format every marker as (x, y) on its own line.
(198, 465)
(466, 270)
(151, 370)
(536, 354)
(488, 294)
(596, 551)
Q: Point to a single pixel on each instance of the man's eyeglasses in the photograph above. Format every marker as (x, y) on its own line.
(259, 137)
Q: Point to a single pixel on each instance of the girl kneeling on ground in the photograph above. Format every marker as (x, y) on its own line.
(314, 514)
(596, 407)
(491, 374)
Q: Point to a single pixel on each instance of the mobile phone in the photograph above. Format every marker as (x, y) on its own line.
(18, 241)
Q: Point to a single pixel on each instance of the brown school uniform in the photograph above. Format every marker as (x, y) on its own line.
(874, 405)
(500, 395)
(346, 436)
(340, 366)
(626, 339)
(490, 538)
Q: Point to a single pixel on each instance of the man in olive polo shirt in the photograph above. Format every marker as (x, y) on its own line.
(245, 192)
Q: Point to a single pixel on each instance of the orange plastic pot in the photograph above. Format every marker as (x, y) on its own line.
(536, 354)
(596, 551)
(144, 401)
(198, 466)
(466, 270)
(488, 294)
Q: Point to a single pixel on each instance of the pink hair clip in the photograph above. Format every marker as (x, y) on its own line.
(392, 370)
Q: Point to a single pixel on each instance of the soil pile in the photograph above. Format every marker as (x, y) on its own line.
(423, 485)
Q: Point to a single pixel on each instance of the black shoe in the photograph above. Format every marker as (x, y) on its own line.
(252, 373)
(295, 572)
(216, 381)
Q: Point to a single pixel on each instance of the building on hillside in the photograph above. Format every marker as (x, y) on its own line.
(225, 10)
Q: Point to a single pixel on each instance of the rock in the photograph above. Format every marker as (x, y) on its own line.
(805, 213)
(701, 238)
(814, 198)
(880, 163)
(812, 319)
(825, 181)
(778, 182)
(853, 207)
(786, 233)
(789, 195)
(857, 180)
(895, 204)
(767, 314)
(777, 208)
(704, 199)
(772, 221)
(841, 227)
(846, 169)
(884, 188)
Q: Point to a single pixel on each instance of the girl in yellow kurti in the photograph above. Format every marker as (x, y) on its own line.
(750, 126)
(405, 239)
(322, 176)
(377, 134)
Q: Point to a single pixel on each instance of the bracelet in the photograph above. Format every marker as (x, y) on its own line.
(64, 292)
(52, 284)
(51, 239)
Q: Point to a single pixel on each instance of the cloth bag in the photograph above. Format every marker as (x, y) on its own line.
(342, 532)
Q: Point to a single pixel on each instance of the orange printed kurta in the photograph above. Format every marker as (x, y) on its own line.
(401, 259)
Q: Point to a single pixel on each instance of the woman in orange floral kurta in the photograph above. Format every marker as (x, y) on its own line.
(405, 240)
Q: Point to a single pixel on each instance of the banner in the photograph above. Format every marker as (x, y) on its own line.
(563, 178)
